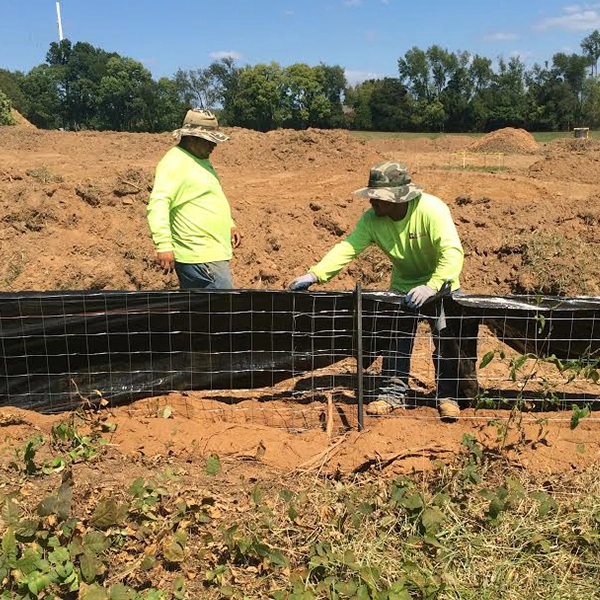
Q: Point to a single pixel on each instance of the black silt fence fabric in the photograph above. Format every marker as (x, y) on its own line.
(59, 348)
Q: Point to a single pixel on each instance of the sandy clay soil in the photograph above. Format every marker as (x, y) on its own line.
(72, 216)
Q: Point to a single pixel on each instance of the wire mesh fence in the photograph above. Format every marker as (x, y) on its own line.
(279, 358)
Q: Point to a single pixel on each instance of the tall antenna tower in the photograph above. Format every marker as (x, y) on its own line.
(59, 21)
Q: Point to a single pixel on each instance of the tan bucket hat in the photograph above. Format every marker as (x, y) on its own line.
(390, 181)
(203, 124)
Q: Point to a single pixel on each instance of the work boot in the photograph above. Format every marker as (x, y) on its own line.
(448, 409)
(392, 395)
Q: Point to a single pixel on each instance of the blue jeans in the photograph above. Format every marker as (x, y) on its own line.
(446, 359)
(204, 276)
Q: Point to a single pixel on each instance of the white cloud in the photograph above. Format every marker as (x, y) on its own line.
(524, 55)
(352, 3)
(355, 77)
(289, 13)
(500, 36)
(576, 17)
(385, 1)
(218, 54)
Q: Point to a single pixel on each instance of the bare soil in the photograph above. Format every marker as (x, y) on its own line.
(73, 216)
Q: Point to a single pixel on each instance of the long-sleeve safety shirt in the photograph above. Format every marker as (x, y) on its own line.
(188, 212)
(424, 246)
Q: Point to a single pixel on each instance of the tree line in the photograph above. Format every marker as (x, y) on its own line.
(80, 86)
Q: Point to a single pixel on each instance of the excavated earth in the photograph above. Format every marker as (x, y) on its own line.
(73, 217)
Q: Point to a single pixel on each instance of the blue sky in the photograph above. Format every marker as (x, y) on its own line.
(366, 37)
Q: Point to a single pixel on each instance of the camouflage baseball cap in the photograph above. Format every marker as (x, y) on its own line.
(391, 182)
(201, 123)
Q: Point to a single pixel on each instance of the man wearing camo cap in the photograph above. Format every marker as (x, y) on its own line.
(416, 232)
(188, 214)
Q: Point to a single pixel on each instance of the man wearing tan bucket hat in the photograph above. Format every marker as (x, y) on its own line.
(188, 214)
(415, 230)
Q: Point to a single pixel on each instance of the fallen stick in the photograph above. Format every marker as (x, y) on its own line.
(385, 460)
(320, 459)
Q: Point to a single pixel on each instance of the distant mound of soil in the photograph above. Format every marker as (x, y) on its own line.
(20, 119)
(445, 143)
(569, 160)
(508, 141)
(574, 145)
(285, 149)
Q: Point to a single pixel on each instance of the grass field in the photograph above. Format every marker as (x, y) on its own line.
(540, 136)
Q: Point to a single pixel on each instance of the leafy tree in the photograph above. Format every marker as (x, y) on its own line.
(333, 83)
(166, 111)
(43, 103)
(590, 108)
(199, 88)
(305, 103)
(123, 94)
(442, 65)
(414, 72)
(481, 72)
(509, 106)
(5, 110)
(390, 105)
(78, 71)
(10, 84)
(228, 75)
(358, 98)
(257, 103)
(555, 93)
(591, 47)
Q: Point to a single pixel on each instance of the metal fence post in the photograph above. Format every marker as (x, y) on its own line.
(358, 332)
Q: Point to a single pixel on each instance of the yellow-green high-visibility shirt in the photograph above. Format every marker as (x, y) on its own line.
(424, 246)
(188, 212)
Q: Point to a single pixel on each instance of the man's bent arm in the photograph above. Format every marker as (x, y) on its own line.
(343, 253)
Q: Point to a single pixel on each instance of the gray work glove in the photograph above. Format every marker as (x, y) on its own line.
(418, 296)
(303, 283)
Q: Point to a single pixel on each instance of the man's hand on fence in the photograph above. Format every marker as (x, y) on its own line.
(166, 260)
(418, 296)
(303, 283)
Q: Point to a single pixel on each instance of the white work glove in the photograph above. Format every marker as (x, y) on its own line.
(418, 296)
(303, 283)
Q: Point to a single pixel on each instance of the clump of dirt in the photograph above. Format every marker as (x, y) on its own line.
(21, 120)
(507, 140)
(570, 160)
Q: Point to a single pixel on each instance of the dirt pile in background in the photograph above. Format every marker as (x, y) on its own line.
(448, 143)
(508, 141)
(285, 149)
(572, 160)
(20, 119)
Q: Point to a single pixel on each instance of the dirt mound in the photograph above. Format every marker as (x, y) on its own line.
(20, 119)
(580, 146)
(570, 160)
(287, 149)
(448, 143)
(507, 140)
